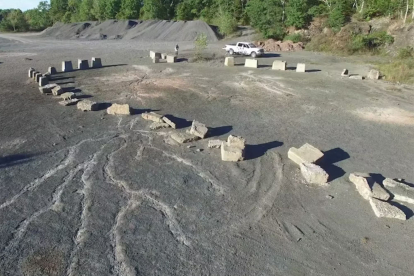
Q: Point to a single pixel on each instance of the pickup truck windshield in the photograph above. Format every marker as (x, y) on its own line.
(251, 45)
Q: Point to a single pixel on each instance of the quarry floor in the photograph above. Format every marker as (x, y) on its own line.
(95, 194)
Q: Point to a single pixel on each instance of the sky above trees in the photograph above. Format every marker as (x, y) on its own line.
(18, 4)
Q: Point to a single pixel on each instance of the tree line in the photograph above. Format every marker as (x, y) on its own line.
(270, 17)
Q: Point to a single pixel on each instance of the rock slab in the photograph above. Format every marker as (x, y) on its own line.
(373, 75)
(57, 90)
(314, 174)
(301, 68)
(171, 59)
(67, 66)
(169, 122)
(231, 154)
(119, 109)
(183, 137)
(384, 209)
(399, 190)
(367, 187)
(87, 105)
(345, 73)
(157, 125)
(215, 144)
(47, 89)
(236, 141)
(198, 129)
(68, 96)
(306, 153)
(152, 116)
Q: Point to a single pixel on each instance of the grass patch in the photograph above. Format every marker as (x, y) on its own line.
(295, 38)
(401, 71)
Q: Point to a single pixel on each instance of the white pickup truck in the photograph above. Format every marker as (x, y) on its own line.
(244, 48)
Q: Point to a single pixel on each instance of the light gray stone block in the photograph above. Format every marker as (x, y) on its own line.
(356, 77)
(306, 153)
(367, 187)
(69, 102)
(96, 62)
(156, 60)
(37, 77)
(236, 141)
(68, 96)
(183, 137)
(171, 59)
(163, 56)
(215, 144)
(157, 125)
(47, 89)
(83, 64)
(373, 74)
(251, 63)
(384, 209)
(119, 109)
(30, 74)
(314, 174)
(198, 129)
(152, 116)
(155, 54)
(57, 90)
(67, 66)
(345, 73)
(279, 65)
(400, 191)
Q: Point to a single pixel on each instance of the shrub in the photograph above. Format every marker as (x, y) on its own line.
(399, 71)
(370, 42)
(406, 52)
(200, 44)
(294, 38)
(227, 23)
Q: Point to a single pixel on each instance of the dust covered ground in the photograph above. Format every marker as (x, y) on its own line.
(95, 194)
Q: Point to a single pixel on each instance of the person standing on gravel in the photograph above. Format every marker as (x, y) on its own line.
(176, 50)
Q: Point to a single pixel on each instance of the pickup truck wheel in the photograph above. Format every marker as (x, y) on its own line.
(231, 52)
(253, 54)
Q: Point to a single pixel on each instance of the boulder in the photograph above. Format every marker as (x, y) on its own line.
(68, 96)
(251, 63)
(169, 122)
(96, 62)
(229, 61)
(400, 191)
(69, 102)
(214, 144)
(152, 116)
(373, 75)
(183, 137)
(119, 109)
(384, 209)
(345, 73)
(367, 187)
(314, 174)
(306, 153)
(157, 125)
(279, 65)
(301, 68)
(198, 129)
(231, 154)
(57, 90)
(87, 105)
(47, 89)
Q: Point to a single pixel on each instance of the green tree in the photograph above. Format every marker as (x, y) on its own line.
(227, 23)
(85, 10)
(129, 9)
(267, 17)
(58, 9)
(17, 20)
(112, 8)
(98, 10)
(297, 13)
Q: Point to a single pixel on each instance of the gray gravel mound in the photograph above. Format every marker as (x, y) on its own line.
(161, 30)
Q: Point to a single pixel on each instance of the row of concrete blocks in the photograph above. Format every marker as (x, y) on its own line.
(82, 64)
(277, 64)
(42, 79)
(155, 56)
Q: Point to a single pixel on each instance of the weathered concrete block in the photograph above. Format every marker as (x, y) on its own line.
(67, 66)
(171, 59)
(279, 65)
(229, 61)
(119, 109)
(163, 56)
(157, 125)
(183, 137)
(156, 60)
(47, 89)
(314, 174)
(68, 96)
(251, 63)
(52, 70)
(215, 144)
(169, 122)
(31, 70)
(43, 81)
(356, 77)
(38, 76)
(373, 75)
(152, 116)
(57, 90)
(96, 62)
(34, 75)
(69, 102)
(236, 141)
(154, 54)
(301, 68)
(198, 129)
(400, 191)
(47, 75)
(87, 105)
(384, 209)
(367, 187)
(345, 73)
(231, 154)
(83, 64)
(306, 153)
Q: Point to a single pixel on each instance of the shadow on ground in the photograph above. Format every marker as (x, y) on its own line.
(218, 131)
(179, 122)
(16, 159)
(256, 151)
(136, 111)
(329, 159)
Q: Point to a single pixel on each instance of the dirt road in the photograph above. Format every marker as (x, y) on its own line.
(95, 194)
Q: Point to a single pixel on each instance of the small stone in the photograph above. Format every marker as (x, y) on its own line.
(384, 209)
(157, 125)
(236, 141)
(356, 77)
(183, 137)
(57, 90)
(373, 75)
(190, 146)
(119, 109)
(199, 150)
(69, 102)
(330, 197)
(367, 187)
(169, 122)
(47, 89)
(198, 129)
(67, 96)
(306, 153)
(231, 154)
(314, 174)
(87, 105)
(152, 116)
(214, 144)
(345, 73)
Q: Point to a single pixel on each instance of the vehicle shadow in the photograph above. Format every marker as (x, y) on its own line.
(312, 70)
(256, 151)
(329, 159)
(270, 55)
(13, 160)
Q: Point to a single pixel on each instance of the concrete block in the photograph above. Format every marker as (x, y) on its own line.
(384, 209)
(314, 174)
(169, 122)
(156, 60)
(356, 77)
(68, 96)
(47, 89)
(31, 70)
(198, 129)
(37, 77)
(46, 75)
(87, 105)
(251, 63)
(155, 54)
(171, 59)
(34, 74)
(163, 56)
(119, 109)
(306, 153)
(57, 90)
(69, 102)
(96, 62)
(152, 116)
(400, 191)
(215, 144)
(52, 70)
(279, 65)
(345, 73)
(301, 68)
(67, 66)
(236, 141)
(157, 125)
(183, 137)
(373, 75)
(83, 64)
(229, 61)
(367, 187)
(43, 81)
(231, 154)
